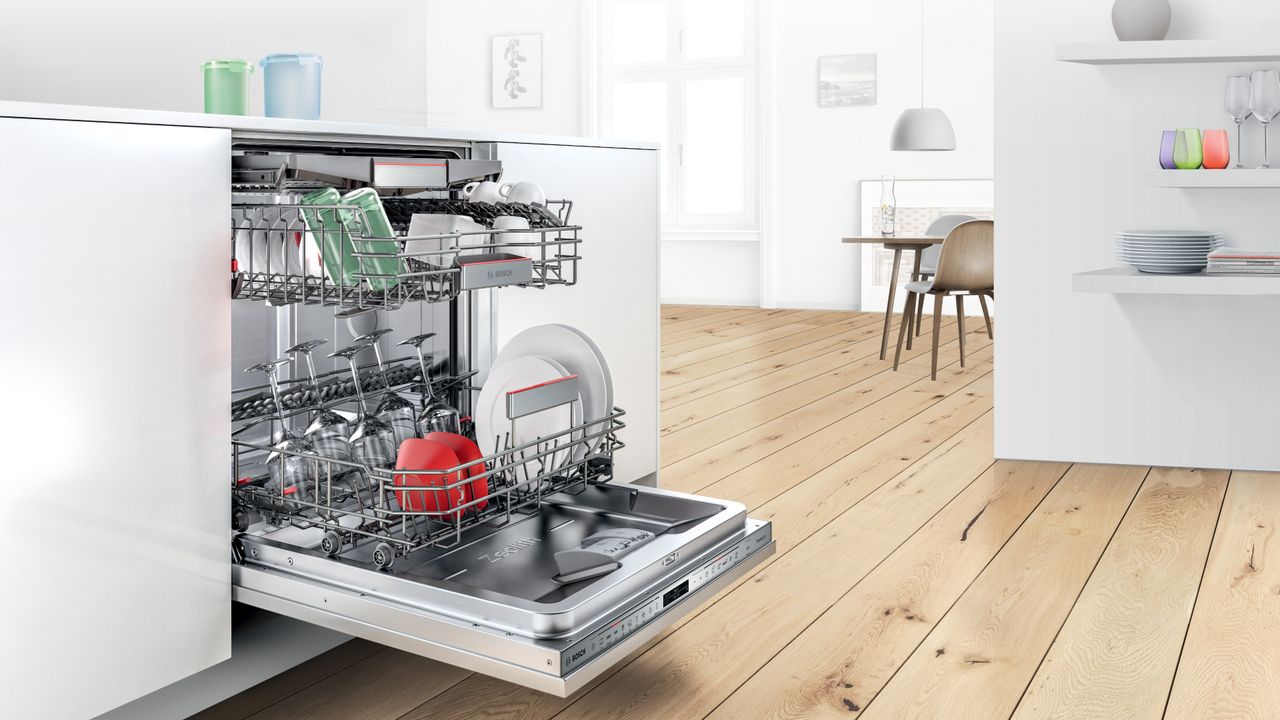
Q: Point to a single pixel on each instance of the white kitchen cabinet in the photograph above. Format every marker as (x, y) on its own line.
(117, 370)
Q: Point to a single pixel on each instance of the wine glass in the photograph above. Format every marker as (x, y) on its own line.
(290, 473)
(437, 415)
(372, 441)
(1237, 105)
(1264, 101)
(393, 410)
(328, 431)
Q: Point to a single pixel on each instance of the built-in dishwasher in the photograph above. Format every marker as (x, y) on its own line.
(548, 569)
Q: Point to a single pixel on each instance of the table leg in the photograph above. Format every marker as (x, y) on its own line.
(888, 311)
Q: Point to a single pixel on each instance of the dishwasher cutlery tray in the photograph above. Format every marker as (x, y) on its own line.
(279, 258)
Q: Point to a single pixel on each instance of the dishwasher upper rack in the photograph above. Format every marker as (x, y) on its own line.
(353, 503)
(279, 258)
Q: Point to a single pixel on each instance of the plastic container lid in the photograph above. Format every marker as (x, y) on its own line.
(228, 65)
(299, 58)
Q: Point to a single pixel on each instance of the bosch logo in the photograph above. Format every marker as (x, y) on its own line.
(499, 274)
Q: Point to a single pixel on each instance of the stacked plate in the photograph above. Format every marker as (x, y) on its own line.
(1166, 251)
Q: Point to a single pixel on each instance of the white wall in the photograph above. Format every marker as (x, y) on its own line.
(458, 57)
(147, 53)
(821, 154)
(1159, 380)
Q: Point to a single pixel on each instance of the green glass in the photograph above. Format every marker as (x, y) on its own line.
(226, 86)
(1188, 153)
(377, 226)
(331, 227)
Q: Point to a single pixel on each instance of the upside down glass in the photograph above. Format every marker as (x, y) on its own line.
(437, 415)
(393, 410)
(372, 441)
(291, 474)
(328, 431)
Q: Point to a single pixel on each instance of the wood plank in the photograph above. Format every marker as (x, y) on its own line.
(776, 456)
(988, 645)
(676, 342)
(694, 669)
(720, 317)
(714, 345)
(803, 341)
(842, 660)
(677, 390)
(385, 685)
(673, 313)
(1231, 661)
(859, 382)
(1116, 655)
(269, 692)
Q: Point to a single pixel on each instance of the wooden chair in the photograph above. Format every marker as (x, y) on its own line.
(941, 227)
(966, 266)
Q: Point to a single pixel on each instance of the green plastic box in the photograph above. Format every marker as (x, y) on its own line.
(226, 86)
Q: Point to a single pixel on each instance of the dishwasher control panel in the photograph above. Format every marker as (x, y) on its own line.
(605, 638)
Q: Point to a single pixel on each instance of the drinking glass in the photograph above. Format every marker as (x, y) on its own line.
(1264, 101)
(393, 410)
(290, 473)
(328, 431)
(437, 415)
(1217, 149)
(1167, 140)
(1188, 153)
(1237, 105)
(372, 441)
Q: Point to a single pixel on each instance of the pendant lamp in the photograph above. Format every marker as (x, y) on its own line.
(923, 128)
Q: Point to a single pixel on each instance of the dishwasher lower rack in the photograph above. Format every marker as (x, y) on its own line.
(284, 252)
(353, 505)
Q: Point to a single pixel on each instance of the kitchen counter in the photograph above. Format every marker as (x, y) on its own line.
(266, 125)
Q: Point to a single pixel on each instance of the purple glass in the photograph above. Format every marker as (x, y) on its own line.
(1166, 149)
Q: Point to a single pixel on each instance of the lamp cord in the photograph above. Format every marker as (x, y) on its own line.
(922, 53)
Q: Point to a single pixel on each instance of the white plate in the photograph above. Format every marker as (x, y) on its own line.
(1166, 243)
(581, 356)
(1168, 269)
(494, 429)
(1162, 253)
(1168, 233)
(1163, 258)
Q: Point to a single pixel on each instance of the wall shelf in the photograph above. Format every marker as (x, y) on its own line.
(1244, 178)
(1170, 51)
(1128, 281)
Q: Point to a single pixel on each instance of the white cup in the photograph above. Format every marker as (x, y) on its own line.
(511, 222)
(486, 192)
(525, 192)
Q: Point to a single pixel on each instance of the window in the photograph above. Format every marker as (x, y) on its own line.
(683, 73)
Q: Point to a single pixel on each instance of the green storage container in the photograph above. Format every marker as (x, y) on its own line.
(226, 86)
(330, 226)
(375, 224)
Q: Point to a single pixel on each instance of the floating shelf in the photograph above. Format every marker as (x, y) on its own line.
(1127, 281)
(1244, 178)
(1170, 51)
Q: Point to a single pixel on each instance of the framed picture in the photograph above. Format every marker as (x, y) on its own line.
(517, 71)
(845, 80)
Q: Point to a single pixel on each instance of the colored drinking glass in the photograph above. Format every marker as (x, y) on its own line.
(1167, 139)
(1187, 151)
(1216, 149)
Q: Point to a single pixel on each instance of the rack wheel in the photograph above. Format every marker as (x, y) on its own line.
(383, 556)
(331, 543)
(239, 521)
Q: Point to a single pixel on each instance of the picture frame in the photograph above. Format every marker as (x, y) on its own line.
(517, 71)
(847, 80)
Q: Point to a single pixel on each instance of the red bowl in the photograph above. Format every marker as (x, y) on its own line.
(467, 451)
(423, 454)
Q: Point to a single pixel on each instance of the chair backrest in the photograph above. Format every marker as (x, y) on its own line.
(967, 261)
(941, 227)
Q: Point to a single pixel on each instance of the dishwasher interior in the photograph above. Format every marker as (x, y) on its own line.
(363, 277)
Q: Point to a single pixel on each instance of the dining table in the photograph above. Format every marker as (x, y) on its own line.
(896, 243)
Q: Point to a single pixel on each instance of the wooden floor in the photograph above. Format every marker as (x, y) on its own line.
(915, 576)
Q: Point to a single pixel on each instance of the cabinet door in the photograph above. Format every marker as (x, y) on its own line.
(615, 200)
(115, 495)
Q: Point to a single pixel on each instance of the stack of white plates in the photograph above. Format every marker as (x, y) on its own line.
(1166, 251)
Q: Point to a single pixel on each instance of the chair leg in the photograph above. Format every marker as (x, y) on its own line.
(912, 309)
(904, 330)
(937, 330)
(960, 324)
(919, 314)
(987, 315)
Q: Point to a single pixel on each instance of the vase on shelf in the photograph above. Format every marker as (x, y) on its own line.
(1141, 19)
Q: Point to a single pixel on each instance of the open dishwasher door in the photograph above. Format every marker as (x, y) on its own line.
(498, 601)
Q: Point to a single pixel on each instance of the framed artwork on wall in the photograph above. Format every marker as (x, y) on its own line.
(845, 80)
(517, 71)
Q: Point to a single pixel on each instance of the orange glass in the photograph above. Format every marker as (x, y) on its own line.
(1217, 149)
